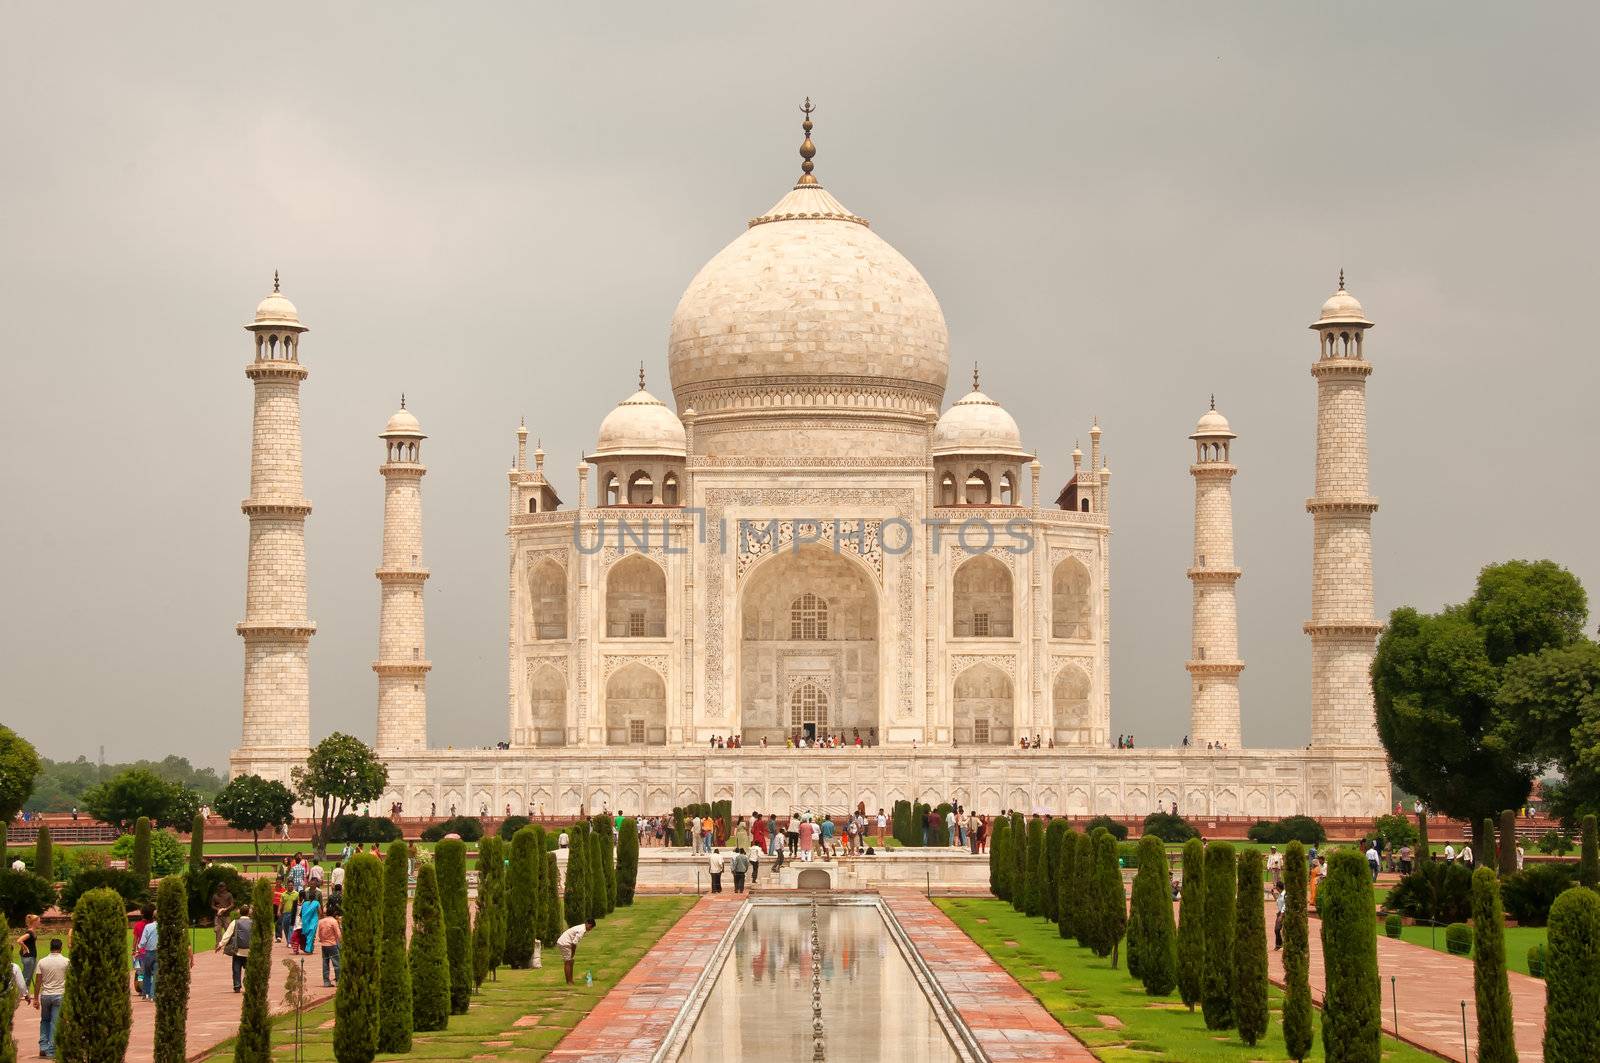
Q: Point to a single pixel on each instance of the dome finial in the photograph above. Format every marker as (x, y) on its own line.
(1213, 400)
(974, 376)
(641, 375)
(808, 150)
(1341, 278)
(402, 400)
(274, 280)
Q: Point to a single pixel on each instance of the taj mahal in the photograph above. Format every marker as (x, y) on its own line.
(809, 542)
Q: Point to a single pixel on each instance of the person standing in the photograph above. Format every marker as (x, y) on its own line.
(28, 949)
(329, 937)
(755, 866)
(310, 915)
(1280, 897)
(952, 826)
(714, 862)
(694, 834)
(827, 837)
(568, 944)
(1274, 864)
(792, 833)
(50, 982)
(221, 905)
(882, 822)
(235, 944)
(288, 915)
(741, 867)
(973, 826)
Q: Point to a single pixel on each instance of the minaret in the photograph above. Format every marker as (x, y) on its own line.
(1214, 665)
(277, 634)
(1342, 628)
(402, 663)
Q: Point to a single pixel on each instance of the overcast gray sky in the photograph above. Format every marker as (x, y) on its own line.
(494, 207)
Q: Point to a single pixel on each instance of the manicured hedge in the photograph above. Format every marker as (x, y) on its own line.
(1458, 939)
(172, 971)
(355, 1005)
(1250, 951)
(1289, 829)
(429, 957)
(1191, 924)
(97, 1009)
(1216, 992)
(450, 864)
(1170, 828)
(1297, 1012)
(1572, 978)
(1116, 829)
(1351, 1010)
(363, 830)
(394, 984)
(1497, 1042)
(254, 1043)
(1157, 937)
(470, 829)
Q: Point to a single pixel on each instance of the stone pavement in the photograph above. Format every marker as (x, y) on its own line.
(1007, 1020)
(213, 1007)
(1430, 987)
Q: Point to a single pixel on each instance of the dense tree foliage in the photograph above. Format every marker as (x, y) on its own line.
(19, 768)
(1352, 1007)
(394, 980)
(341, 774)
(1000, 858)
(1033, 868)
(61, 784)
(172, 971)
(627, 862)
(1572, 978)
(96, 1010)
(522, 897)
(1497, 1042)
(430, 956)
(450, 863)
(140, 793)
(356, 1003)
(252, 803)
(1192, 924)
(9, 1000)
(1066, 903)
(1297, 1030)
(1157, 937)
(254, 1043)
(1250, 951)
(1216, 991)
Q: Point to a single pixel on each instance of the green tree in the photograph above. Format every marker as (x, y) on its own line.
(1000, 858)
(96, 1010)
(550, 906)
(627, 862)
(607, 879)
(19, 767)
(522, 904)
(1049, 890)
(1086, 912)
(575, 902)
(394, 977)
(430, 955)
(1250, 951)
(1424, 846)
(1508, 842)
(172, 966)
(1524, 607)
(1216, 993)
(140, 864)
(1488, 856)
(197, 842)
(450, 863)
(1111, 905)
(597, 879)
(1297, 1030)
(1589, 862)
(341, 773)
(8, 998)
(1550, 702)
(1496, 1041)
(44, 854)
(252, 803)
(1036, 868)
(1066, 903)
(491, 876)
(1572, 977)
(355, 1005)
(1191, 924)
(138, 792)
(1351, 1007)
(1152, 900)
(1019, 859)
(254, 1043)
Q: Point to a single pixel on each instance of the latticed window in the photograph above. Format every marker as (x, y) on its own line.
(980, 624)
(808, 618)
(636, 624)
(980, 731)
(808, 705)
(636, 732)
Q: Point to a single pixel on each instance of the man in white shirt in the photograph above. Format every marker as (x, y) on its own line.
(1519, 858)
(50, 982)
(336, 876)
(883, 821)
(1449, 854)
(568, 944)
(1372, 859)
(1274, 864)
(952, 831)
(714, 862)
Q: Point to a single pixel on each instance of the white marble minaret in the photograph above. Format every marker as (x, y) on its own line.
(402, 663)
(1342, 628)
(277, 634)
(1214, 665)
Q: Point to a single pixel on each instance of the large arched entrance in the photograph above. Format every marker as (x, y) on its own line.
(808, 648)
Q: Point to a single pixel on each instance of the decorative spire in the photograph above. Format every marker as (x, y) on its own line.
(274, 282)
(974, 376)
(641, 375)
(1213, 400)
(402, 400)
(808, 150)
(1341, 278)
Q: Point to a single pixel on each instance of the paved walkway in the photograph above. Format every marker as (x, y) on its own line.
(1007, 1020)
(213, 1007)
(1430, 987)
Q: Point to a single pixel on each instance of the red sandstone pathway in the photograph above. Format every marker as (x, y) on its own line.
(1009, 1023)
(213, 1007)
(1430, 986)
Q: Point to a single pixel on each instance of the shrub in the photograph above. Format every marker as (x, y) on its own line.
(1066, 903)
(355, 1004)
(1132, 939)
(1458, 939)
(1086, 912)
(1170, 828)
(902, 822)
(1216, 993)
(1351, 1009)
(510, 825)
(597, 880)
(491, 875)
(140, 862)
(1392, 926)
(1000, 858)
(22, 893)
(1297, 1031)
(254, 1043)
(202, 884)
(1111, 904)
(941, 826)
(1152, 902)
(450, 864)
(1049, 895)
(1033, 898)
(522, 925)
(627, 862)
(1250, 951)
(172, 968)
(1301, 829)
(1191, 924)
(1489, 856)
(1529, 893)
(1537, 955)
(1019, 857)
(1396, 831)
(1589, 862)
(1555, 843)
(1572, 977)
(128, 885)
(919, 819)
(394, 973)
(96, 1010)
(430, 956)
(166, 854)
(44, 855)
(575, 902)
(1423, 844)
(1436, 891)
(607, 879)
(550, 904)
(1496, 1042)
(1117, 830)
(470, 828)
(363, 830)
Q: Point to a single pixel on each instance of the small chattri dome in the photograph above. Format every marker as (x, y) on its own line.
(977, 425)
(641, 424)
(1212, 425)
(403, 423)
(1342, 308)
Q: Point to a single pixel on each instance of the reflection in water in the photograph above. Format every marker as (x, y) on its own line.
(872, 1006)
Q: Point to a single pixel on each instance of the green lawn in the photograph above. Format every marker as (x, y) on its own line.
(1519, 939)
(609, 951)
(1153, 1029)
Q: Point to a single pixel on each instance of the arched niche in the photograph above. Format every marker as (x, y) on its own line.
(981, 599)
(636, 599)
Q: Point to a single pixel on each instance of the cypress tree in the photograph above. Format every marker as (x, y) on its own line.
(1152, 900)
(1496, 1041)
(8, 997)
(550, 909)
(608, 868)
(1250, 950)
(627, 862)
(1297, 1031)
(1351, 1008)
(1085, 902)
(1572, 977)
(1111, 904)
(355, 1005)
(394, 978)
(1049, 886)
(575, 902)
(1133, 939)
(1216, 990)
(1487, 857)
(522, 915)
(1065, 914)
(1019, 860)
(1000, 858)
(44, 855)
(197, 843)
(1424, 848)
(491, 873)
(140, 864)
(254, 1043)
(1191, 924)
(172, 969)
(597, 879)
(1589, 861)
(1508, 842)
(96, 1010)
(430, 955)
(450, 864)
(541, 902)
(1033, 901)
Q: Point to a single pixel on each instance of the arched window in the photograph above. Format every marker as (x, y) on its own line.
(613, 490)
(1070, 605)
(982, 599)
(1069, 697)
(533, 504)
(669, 490)
(984, 713)
(808, 619)
(641, 489)
(947, 490)
(1083, 504)
(1008, 490)
(977, 488)
(636, 599)
(547, 708)
(547, 594)
(808, 705)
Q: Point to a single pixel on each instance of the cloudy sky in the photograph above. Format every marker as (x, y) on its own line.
(494, 207)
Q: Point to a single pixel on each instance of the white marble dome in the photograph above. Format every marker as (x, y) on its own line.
(977, 425)
(1342, 308)
(808, 295)
(1213, 424)
(641, 424)
(276, 310)
(403, 423)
